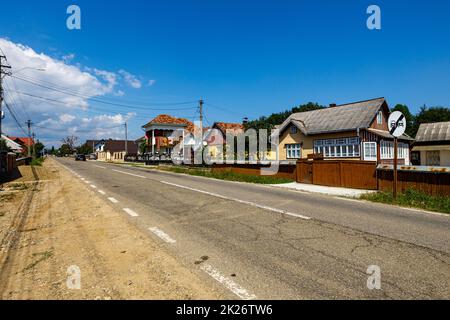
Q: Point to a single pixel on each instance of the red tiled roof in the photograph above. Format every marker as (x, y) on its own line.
(224, 127)
(168, 119)
(23, 141)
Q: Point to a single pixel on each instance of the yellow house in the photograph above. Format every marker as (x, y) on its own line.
(432, 145)
(353, 131)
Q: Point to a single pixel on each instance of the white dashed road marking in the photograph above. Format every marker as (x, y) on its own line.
(240, 201)
(101, 192)
(130, 174)
(228, 283)
(113, 200)
(93, 187)
(164, 236)
(130, 212)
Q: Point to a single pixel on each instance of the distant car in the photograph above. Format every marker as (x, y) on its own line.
(80, 157)
(92, 157)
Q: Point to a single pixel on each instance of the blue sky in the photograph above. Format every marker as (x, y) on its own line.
(249, 57)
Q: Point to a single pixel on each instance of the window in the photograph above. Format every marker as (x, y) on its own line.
(433, 158)
(337, 148)
(380, 117)
(387, 150)
(294, 130)
(370, 151)
(293, 151)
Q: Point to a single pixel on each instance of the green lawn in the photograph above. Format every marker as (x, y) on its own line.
(37, 162)
(412, 198)
(226, 175)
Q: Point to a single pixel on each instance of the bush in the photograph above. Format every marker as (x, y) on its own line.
(227, 175)
(37, 162)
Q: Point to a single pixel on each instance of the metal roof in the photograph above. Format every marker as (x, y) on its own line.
(430, 132)
(387, 135)
(346, 117)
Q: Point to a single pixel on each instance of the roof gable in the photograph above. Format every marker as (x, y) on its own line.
(165, 119)
(346, 117)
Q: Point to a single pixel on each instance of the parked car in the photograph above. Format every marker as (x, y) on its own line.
(92, 156)
(80, 157)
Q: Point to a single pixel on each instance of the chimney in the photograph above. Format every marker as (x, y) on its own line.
(333, 105)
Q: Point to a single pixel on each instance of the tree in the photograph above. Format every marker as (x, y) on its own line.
(410, 118)
(143, 147)
(431, 115)
(70, 142)
(65, 150)
(278, 118)
(38, 147)
(4, 146)
(84, 149)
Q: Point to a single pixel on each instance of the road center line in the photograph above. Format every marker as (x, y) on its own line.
(101, 192)
(99, 166)
(93, 187)
(240, 201)
(113, 200)
(130, 212)
(130, 174)
(228, 283)
(161, 234)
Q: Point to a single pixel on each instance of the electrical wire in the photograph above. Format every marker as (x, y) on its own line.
(19, 126)
(134, 107)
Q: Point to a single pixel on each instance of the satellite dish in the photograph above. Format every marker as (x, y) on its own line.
(397, 124)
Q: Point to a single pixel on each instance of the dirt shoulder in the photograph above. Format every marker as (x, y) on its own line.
(51, 225)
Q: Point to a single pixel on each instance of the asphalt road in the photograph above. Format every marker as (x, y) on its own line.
(261, 242)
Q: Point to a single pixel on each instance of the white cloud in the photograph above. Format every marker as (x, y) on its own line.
(66, 118)
(68, 58)
(71, 114)
(131, 79)
(151, 82)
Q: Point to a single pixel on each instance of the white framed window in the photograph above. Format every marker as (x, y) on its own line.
(294, 130)
(293, 151)
(370, 151)
(387, 150)
(380, 117)
(338, 148)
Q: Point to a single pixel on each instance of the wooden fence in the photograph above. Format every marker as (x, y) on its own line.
(433, 183)
(287, 171)
(8, 164)
(338, 173)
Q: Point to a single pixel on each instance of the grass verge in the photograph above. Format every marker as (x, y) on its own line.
(412, 198)
(227, 175)
(37, 162)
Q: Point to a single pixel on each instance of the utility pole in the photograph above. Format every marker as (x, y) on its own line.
(3, 73)
(34, 146)
(201, 121)
(126, 138)
(29, 136)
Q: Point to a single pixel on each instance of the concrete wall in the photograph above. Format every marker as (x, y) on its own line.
(444, 156)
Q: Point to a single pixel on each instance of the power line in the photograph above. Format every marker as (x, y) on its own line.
(107, 102)
(15, 118)
(225, 109)
(141, 102)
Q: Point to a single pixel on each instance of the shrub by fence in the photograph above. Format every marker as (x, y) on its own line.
(287, 171)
